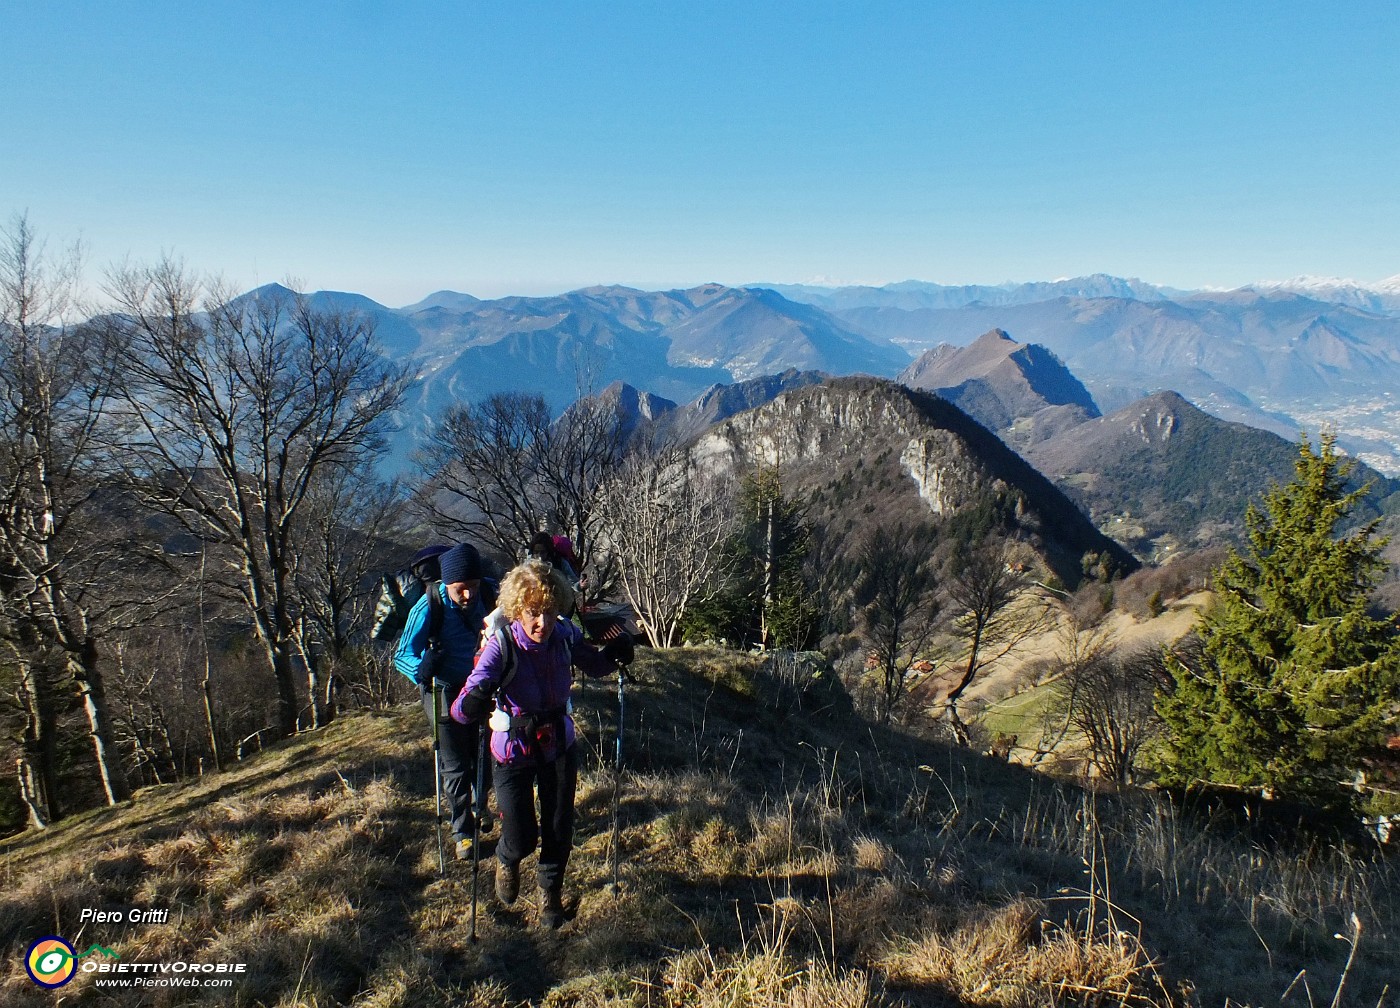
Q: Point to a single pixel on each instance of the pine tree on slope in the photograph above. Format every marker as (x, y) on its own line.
(1295, 681)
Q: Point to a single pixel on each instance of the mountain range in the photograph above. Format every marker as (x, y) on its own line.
(1382, 296)
(1277, 356)
(910, 295)
(1043, 362)
(1272, 359)
(1157, 476)
(675, 344)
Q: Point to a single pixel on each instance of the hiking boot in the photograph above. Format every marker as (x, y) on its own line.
(552, 911)
(507, 883)
(464, 849)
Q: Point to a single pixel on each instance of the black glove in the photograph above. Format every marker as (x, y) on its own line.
(620, 650)
(426, 666)
(473, 706)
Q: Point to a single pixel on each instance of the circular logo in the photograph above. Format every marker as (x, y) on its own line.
(51, 962)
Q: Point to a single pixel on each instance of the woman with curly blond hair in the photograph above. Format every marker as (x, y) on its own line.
(527, 668)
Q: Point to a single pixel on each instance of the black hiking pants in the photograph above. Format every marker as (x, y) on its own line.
(458, 748)
(554, 784)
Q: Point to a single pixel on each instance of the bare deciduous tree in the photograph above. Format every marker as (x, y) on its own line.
(898, 607)
(1109, 700)
(237, 412)
(583, 446)
(503, 469)
(347, 511)
(667, 523)
(1083, 638)
(995, 607)
(55, 378)
(483, 467)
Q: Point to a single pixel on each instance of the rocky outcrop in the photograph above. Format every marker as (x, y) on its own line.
(876, 451)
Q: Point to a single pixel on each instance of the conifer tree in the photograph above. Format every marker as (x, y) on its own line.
(766, 599)
(1294, 680)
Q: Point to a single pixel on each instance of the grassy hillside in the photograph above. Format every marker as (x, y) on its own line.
(776, 850)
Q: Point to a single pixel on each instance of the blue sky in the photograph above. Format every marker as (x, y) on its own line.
(395, 149)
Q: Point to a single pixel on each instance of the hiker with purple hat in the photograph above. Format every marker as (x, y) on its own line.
(436, 650)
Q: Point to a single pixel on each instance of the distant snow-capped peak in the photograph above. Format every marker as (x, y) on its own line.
(1306, 283)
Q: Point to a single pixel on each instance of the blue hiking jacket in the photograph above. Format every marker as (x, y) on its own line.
(459, 639)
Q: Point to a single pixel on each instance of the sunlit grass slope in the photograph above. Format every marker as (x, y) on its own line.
(776, 849)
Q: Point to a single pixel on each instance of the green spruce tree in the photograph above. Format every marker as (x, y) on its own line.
(766, 600)
(1294, 680)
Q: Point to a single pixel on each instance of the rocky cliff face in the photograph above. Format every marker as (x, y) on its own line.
(878, 452)
(941, 468)
(813, 429)
(1156, 421)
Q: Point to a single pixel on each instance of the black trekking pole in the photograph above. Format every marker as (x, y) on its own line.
(437, 773)
(483, 749)
(615, 889)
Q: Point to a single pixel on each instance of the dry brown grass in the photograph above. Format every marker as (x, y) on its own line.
(1013, 956)
(763, 974)
(769, 858)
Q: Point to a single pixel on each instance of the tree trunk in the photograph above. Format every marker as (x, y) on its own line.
(39, 761)
(29, 787)
(277, 634)
(288, 709)
(319, 716)
(279, 660)
(145, 751)
(160, 733)
(960, 731)
(329, 700)
(770, 571)
(313, 695)
(893, 681)
(209, 720)
(84, 669)
(206, 685)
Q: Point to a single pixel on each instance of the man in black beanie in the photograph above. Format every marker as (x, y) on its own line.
(439, 643)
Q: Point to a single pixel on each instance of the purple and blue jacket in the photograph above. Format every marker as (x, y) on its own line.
(538, 691)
